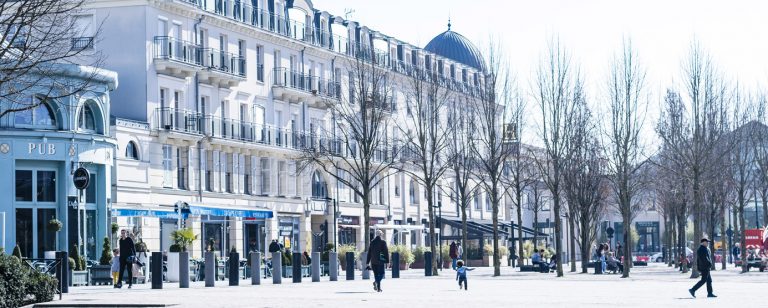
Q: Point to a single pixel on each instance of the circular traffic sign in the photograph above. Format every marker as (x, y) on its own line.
(81, 178)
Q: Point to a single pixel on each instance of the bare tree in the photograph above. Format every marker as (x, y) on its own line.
(426, 139)
(36, 38)
(583, 179)
(356, 151)
(701, 124)
(461, 128)
(491, 148)
(553, 91)
(536, 202)
(627, 103)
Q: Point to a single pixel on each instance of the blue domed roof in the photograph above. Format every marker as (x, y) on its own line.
(456, 47)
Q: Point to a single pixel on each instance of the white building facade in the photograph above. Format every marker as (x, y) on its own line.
(218, 98)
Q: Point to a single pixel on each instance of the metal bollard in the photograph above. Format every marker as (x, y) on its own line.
(156, 265)
(428, 263)
(366, 272)
(350, 266)
(234, 268)
(333, 266)
(184, 269)
(316, 267)
(395, 265)
(255, 268)
(296, 267)
(63, 273)
(277, 268)
(210, 269)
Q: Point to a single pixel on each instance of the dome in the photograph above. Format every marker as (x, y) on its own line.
(456, 47)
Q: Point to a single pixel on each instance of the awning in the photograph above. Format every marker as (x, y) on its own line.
(399, 227)
(135, 211)
(481, 228)
(215, 211)
(526, 230)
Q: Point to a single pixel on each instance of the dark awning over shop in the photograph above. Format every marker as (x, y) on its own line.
(484, 228)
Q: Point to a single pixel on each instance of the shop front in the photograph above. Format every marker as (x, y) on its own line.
(40, 150)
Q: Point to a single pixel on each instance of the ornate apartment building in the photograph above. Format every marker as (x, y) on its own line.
(219, 97)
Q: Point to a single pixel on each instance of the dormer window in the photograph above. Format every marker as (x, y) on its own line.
(38, 115)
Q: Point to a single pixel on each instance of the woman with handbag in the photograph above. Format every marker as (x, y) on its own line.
(127, 257)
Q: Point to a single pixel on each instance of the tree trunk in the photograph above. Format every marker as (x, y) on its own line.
(431, 211)
(465, 244)
(520, 230)
(585, 245)
(535, 230)
(558, 237)
(627, 245)
(495, 217)
(743, 233)
(572, 250)
(697, 234)
(723, 241)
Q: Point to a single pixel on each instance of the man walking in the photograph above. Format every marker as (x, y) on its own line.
(127, 257)
(703, 263)
(378, 257)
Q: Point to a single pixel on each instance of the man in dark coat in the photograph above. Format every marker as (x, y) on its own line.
(127, 257)
(703, 263)
(377, 257)
(274, 247)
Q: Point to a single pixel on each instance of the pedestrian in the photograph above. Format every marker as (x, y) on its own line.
(377, 258)
(115, 266)
(736, 253)
(603, 250)
(460, 251)
(703, 263)
(127, 257)
(307, 260)
(461, 274)
(453, 252)
(274, 247)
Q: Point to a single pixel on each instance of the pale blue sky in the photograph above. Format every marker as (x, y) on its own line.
(732, 31)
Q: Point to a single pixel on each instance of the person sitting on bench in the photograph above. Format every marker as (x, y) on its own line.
(614, 264)
(537, 259)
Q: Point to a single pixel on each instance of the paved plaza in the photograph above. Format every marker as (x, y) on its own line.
(652, 286)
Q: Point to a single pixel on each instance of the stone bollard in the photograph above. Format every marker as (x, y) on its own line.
(296, 267)
(333, 266)
(255, 268)
(395, 265)
(277, 267)
(428, 263)
(210, 269)
(316, 267)
(62, 275)
(598, 267)
(350, 266)
(234, 268)
(184, 269)
(157, 270)
(366, 272)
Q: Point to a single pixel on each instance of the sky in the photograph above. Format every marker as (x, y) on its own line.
(732, 32)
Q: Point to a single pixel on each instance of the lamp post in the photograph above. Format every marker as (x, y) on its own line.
(335, 218)
(440, 234)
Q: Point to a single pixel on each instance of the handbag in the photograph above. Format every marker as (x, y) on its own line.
(382, 257)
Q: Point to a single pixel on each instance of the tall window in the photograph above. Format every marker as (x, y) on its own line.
(260, 63)
(265, 180)
(318, 186)
(208, 160)
(282, 178)
(167, 166)
(39, 115)
(182, 163)
(131, 151)
(86, 119)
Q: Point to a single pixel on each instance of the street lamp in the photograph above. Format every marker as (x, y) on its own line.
(440, 235)
(335, 218)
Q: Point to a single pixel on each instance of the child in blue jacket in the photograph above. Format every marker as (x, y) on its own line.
(461, 274)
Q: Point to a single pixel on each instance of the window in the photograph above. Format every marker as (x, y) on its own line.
(282, 178)
(487, 202)
(208, 165)
(90, 192)
(24, 185)
(182, 163)
(229, 160)
(318, 186)
(260, 63)
(86, 119)
(413, 193)
(167, 166)
(478, 206)
(397, 185)
(131, 151)
(39, 114)
(265, 180)
(46, 186)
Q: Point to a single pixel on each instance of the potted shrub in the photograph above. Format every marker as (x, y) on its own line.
(343, 249)
(102, 273)
(78, 272)
(406, 256)
(54, 225)
(181, 239)
(418, 255)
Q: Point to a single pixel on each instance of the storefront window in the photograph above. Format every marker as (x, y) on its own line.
(24, 230)
(90, 192)
(24, 185)
(46, 186)
(46, 239)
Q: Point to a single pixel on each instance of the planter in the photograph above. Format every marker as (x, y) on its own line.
(418, 264)
(79, 278)
(172, 267)
(404, 266)
(100, 274)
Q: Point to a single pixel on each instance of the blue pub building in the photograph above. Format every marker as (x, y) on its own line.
(41, 147)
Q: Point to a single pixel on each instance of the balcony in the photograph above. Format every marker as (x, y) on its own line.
(176, 57)
(294, 87)
(222, 68)
(82, 43)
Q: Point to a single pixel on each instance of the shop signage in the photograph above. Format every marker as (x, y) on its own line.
(349, 220)
(81, 178)
(377, 221)
(41, 148)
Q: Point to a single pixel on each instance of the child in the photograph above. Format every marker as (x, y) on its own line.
(115, 266)
(461, 274)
